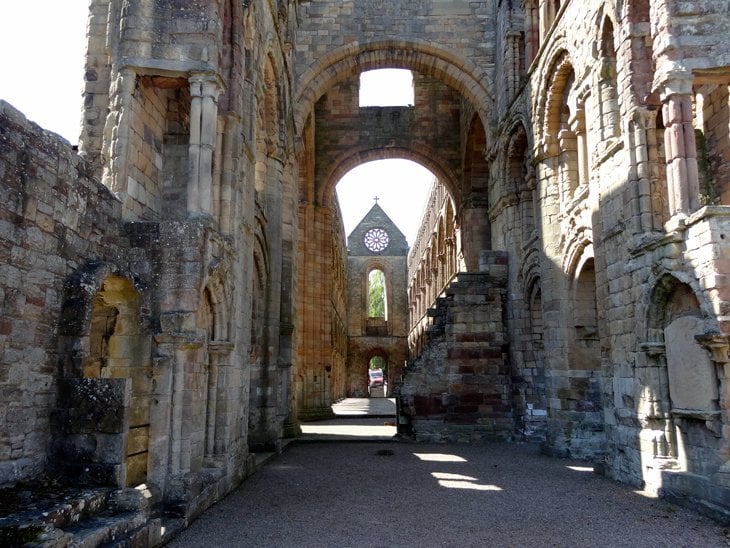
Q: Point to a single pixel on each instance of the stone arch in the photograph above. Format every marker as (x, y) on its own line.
(518, 178)
(420, 56)
(262, 374)
(356, 156)
(476, 175)
(268, 123)
(475, 195)
(259, 283)
(214, 321)
(576, 422)
(376, 309)
(679, 389)
(378, 354)
(104, 346)
(562, 124)
(661, 308)
(218, 294)
(547, 107)
(607, 76)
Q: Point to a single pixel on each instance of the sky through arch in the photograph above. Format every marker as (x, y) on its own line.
(401, 187)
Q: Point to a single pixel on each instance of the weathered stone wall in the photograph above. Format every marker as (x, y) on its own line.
(458, 389)
(54, 218)
(347, 134)
(606, 179)
(584, 140)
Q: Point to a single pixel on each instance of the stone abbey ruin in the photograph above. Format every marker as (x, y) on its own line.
(178, 293)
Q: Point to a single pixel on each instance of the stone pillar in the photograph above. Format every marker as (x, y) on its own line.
(117, 134)
(532, 31)
(640, 172)
(681, 149)
(578, 127)
(718, 345)
(513, 62)
(568, 166)
(216, 433)
(546, 17)
(230, 145)
(203, 136)
(181, 350)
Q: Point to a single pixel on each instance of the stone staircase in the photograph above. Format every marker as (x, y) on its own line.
(76, 517)
(459, 388)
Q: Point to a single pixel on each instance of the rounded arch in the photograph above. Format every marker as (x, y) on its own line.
(218, 295)
(421, 56)
(81, 288)
(579, 251)
(515, 157)
(658, 299)
(358, 156)
(557, 64)
(529, 272)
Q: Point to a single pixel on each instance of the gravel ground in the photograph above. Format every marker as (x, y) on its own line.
(351, 494)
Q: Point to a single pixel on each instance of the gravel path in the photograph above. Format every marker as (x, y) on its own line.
(350, 494)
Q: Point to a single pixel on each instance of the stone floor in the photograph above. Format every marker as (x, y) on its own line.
(364, 419)
(384, 491)
(421, 495)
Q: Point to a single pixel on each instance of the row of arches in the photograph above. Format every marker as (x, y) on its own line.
(432, 264)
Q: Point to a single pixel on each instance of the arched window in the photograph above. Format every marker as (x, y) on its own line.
(608, 85)
(377, 295)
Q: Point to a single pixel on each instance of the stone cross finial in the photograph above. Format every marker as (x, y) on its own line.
(376, 199)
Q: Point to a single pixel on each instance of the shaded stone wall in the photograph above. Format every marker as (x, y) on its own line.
(54, 217)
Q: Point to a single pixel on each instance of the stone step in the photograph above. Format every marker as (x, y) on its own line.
(61, 517)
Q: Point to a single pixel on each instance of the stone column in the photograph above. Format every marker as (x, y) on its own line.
(513, 62)
(532, 31)
(718, 345)
(216, 434)
(117, 134)
(231, 148)
(640, 173)
(183, 350)
(681, 149)
(578, 127)
(203, 136)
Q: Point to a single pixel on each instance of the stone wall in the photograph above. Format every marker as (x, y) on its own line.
(55, 217)
(459, 388)
(583, 140)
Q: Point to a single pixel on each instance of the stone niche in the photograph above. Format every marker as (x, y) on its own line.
(692, 379)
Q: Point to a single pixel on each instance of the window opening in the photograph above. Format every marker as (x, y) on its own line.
(386, 88)
(376, 294)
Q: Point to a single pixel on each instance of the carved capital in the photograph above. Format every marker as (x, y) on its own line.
(717, 345)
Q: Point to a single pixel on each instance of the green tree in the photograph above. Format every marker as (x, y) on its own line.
(376, 294)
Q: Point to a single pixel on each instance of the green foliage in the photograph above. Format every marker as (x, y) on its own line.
(376, 294)
(376, 362)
